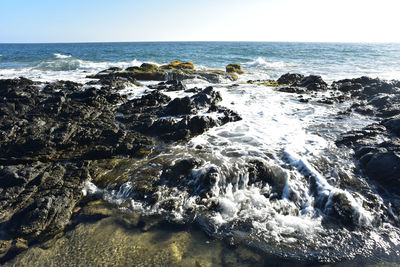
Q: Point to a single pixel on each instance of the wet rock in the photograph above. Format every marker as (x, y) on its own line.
(384, 167)
(234, 67)
(10, 248)
(148, 67)
(37, 199)
(180, 106)
(349, 86)
(169, 86)
(393, 124)
(312, 83)
(174, 71)
(179, 65)
(290, 78)
(173, 175)
(379, 159)
(118, 83)
(340, 209)
(297, 90)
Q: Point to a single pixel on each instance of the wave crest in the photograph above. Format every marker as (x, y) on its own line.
(262, 63)
(57, 55)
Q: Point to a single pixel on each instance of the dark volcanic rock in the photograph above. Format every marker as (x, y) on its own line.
(384, 167)
(297, 90)
(393, 124)
(380, 160)
(290, 78)
(175, 120)
(169, 86)
(313, 83)
(37, 199)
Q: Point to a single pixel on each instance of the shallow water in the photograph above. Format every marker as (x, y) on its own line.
(103, 236)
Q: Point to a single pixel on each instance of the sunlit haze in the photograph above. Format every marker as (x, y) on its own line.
(207, 20)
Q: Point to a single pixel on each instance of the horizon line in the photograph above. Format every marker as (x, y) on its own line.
(99, 42)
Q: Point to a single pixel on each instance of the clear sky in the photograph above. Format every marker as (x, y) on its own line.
(199, 20)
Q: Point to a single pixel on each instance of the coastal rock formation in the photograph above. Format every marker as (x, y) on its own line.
(174, 71)
(54, 134)
(299, 84)
(290, 78)
(377, 146)
(174, 121)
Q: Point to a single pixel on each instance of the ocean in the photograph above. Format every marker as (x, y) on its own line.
(289, 218)
(332, 61)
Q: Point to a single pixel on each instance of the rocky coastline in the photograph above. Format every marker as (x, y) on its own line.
(55, 137)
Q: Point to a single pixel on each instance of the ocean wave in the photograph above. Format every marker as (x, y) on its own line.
(57, 55)
(70, 63)
(261, 62)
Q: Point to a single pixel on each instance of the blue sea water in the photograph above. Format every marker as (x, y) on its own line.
(269, 59)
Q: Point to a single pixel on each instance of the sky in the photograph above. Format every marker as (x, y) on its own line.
(43, 21)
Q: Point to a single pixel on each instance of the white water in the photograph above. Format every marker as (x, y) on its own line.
(295, 141)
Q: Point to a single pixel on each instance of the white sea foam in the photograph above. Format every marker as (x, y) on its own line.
(64, 67)
(89, 188)
(57, 55)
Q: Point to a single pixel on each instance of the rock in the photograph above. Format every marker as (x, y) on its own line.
(10, 248)
(37, 199)
(313, 83)
(118, 83)
(108, 71)
(348, 86)
(148, 67)
(384, 167)
(393, 124)
(176, 71)
(181, 169)
(180, 106)
(290, 78)
(169, 86)
(297, 90)
(234, 67)
(46, 159)
(179, 65)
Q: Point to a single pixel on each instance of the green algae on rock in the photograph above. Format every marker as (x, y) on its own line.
(234, 67)
(179, 65)
(175, 70)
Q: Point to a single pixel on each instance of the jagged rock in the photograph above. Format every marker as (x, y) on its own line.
(393, 124)
(290, 78)
(37, 199)
(312, 83)
(297, 90)
(169, 86)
